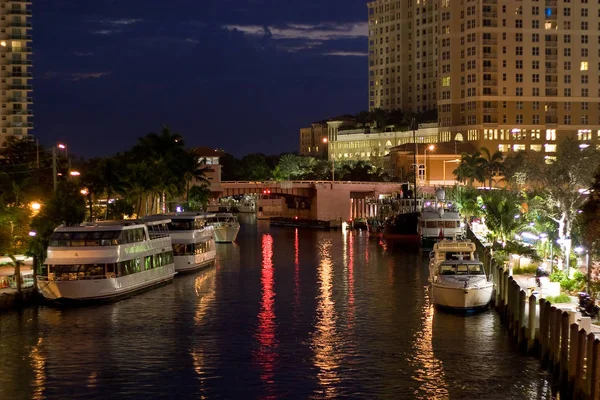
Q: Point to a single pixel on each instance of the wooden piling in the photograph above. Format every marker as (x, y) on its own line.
(531, 324)
(579, 387)
(573, 351)
(522, 324)
(543, 337)
(589, 358)
(564, 346)
(551, 334)
(595, 355)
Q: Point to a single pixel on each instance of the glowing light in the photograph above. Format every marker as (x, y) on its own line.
(61, 146)
(325, 140)
(3, 43)
(75, 173)
(35, 206)
(579, 249)
(178, 209)
(84, 191)
(584, 145)
(32, 233)
(431, 147)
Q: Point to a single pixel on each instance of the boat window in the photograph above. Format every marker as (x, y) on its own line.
(431, 224)
(476, 269)
(78, 271)
(446, 269)
(179, 249)
(181, 225)
(462, 269)
(96, 238)
(449, 224)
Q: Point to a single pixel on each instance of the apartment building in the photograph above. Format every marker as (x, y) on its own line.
(15, 68)
(314, 140)
(511, 75)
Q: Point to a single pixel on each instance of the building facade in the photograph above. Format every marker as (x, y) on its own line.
(313, 140)
(510, 76)
(15, 65)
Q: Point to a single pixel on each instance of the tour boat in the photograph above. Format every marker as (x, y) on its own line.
(106, 260)
(438, 220)
(193, 239)
(458, 279)
(226, 226)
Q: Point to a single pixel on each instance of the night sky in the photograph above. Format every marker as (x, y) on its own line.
(241, 75)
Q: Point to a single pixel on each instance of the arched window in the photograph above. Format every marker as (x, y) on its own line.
(458, 137)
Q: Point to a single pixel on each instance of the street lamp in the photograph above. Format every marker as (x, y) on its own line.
(580, 250)
(431, 147)
(332, 162)
(449, 161)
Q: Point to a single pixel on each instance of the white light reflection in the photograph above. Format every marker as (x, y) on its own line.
(429, 370)
(38, 366)
(204, 286)
(327, 357)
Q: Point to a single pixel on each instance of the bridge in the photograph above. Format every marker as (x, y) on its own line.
(319, 200)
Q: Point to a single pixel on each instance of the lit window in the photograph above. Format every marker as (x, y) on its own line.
(535, 147)
(550, 148)
(584, 66)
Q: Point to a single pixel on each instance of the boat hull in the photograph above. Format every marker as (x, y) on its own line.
(462, 298)
(195, 262)
(104, 289)
(226, 234)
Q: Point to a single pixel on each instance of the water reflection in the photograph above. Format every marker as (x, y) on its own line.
(266, 356)
(324, 341)
(296, 275)
(38, 366)
(204, 287)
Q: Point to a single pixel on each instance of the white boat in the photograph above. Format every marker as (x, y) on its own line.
(226, 226)
(439, 220)
(106, 260)
(458, 279)
(246, 205)
(193, 240)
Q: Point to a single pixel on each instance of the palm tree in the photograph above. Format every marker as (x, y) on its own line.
(379, 116)
(194, 171)
(288, 166)
(469, 169)
(503, 216)
(490, 164)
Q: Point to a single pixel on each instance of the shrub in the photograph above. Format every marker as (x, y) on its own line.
(561, 298)
(575, 284)
(528, 269)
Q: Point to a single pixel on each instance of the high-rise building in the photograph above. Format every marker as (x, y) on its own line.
(504, 74)
(15, 64)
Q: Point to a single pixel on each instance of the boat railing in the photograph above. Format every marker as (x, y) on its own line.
(79, 278)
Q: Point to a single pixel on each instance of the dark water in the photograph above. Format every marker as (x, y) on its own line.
(283, 314)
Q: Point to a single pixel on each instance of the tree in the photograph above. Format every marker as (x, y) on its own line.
(469, 169)
(255, 167)
(379, 116)
(288, 167)
(503, 215)
(198, 198)
(490, 164)
(466, 199)
(590, 217)
(560, 180)
(363, 118)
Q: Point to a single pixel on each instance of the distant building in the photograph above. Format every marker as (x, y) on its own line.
(313, 140)
(15, 87)
(508, 76)
(212, 167)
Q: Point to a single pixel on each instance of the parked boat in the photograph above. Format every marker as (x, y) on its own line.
(193, 240)
(401, 228)
(226, 226)
(439, 220)
(246, 205)
(458, 279)
(106, 260)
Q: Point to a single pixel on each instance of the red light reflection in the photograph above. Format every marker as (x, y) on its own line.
(351, 306)
(266, 356)
(296, 273)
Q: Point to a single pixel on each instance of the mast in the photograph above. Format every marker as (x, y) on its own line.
(414, 129)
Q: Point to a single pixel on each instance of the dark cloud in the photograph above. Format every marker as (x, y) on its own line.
(196, 66)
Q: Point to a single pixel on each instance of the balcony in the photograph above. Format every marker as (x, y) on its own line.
(490, 14)
(19, 62)
(551, 43)
(20, 100)
(551, 57)
(18, 36)
(490, 69)
(21, 124)
(551, 84)
(20, 50)
(490, 110)
(20, 75)
(20, 112)
(490, 82)
(551, 3)
(490, 41)
(20, 87)
(551, 70)
(18, 11)
(12, 24)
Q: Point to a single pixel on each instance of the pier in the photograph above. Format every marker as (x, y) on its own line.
(566, 343)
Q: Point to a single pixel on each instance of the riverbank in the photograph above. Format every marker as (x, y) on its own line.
(10, 299)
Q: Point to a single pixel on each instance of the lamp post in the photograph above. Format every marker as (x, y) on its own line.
(580, 250)
(431, 147)
(332, 162)
(448, 161)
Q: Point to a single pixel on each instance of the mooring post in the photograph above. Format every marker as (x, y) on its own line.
(564, 346)
(531, 323)
(596, 369)
(579, 389)
(522, 323)
(589, 359)
(573, 353)
(543, 330)
(552, 334)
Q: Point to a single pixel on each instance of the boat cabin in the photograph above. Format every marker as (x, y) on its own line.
(461, 267)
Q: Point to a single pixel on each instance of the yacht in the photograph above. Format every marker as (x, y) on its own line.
(439, 220)
(193, 240)
(247, 205)
(226, 226)
(458, 279)
(106, 260)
